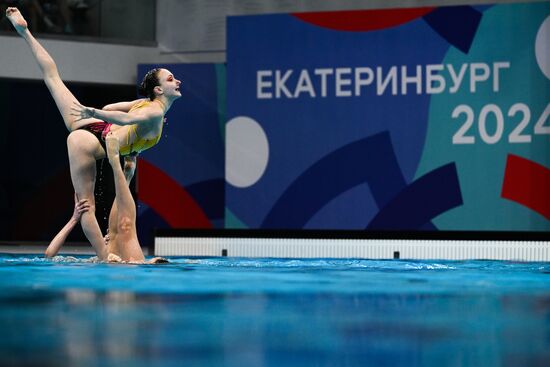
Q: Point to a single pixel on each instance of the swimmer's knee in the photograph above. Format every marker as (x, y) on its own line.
(125, 224)
(51, 75)
(72, 141)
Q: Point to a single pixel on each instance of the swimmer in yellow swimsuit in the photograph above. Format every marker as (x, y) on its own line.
(133, 143)
(137, 124)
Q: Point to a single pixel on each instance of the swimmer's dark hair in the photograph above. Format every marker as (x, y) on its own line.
(149, 82)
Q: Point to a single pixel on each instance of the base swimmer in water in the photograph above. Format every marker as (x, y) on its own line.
(137, 125)
(121, 241)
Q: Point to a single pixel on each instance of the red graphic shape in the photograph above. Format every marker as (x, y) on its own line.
(362, 20)
(168, 199)
(527, 183)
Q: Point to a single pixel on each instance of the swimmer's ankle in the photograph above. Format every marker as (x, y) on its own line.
(17, 20)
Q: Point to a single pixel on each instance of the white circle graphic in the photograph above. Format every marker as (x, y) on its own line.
(246, 151)
(542, 51)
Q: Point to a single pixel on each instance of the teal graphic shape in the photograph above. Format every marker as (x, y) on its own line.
(507, 33)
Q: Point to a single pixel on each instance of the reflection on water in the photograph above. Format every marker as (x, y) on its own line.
(274, 312)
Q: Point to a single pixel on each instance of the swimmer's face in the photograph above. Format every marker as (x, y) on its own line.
(169, 84)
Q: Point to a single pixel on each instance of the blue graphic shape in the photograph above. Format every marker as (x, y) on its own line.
(209, 194)
(380, 170)
(458, 25)
(337, 214)
(422, 200)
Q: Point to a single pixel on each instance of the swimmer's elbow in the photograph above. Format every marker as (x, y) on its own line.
(49, 253)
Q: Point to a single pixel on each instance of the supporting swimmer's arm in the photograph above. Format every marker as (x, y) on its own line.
(142, 115)
(121, 106)
(58, 241)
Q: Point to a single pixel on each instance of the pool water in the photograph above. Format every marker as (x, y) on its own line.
(273, 312)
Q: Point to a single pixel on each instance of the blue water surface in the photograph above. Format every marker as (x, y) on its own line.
(273, 312)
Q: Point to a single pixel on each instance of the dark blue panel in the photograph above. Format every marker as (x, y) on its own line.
(421, 201)
(457, 24)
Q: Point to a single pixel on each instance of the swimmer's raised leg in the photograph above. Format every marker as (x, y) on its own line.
(81, 158)
(123, 199)
(63, 98)
(129, 169)
(125, 206)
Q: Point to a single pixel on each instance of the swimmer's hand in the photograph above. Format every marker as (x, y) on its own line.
(81, 112)
(80, 206)
(16, 19)
(112, 258)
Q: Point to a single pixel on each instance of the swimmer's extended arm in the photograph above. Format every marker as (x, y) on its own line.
(139, 116)
(58, 241)
(122, 106)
